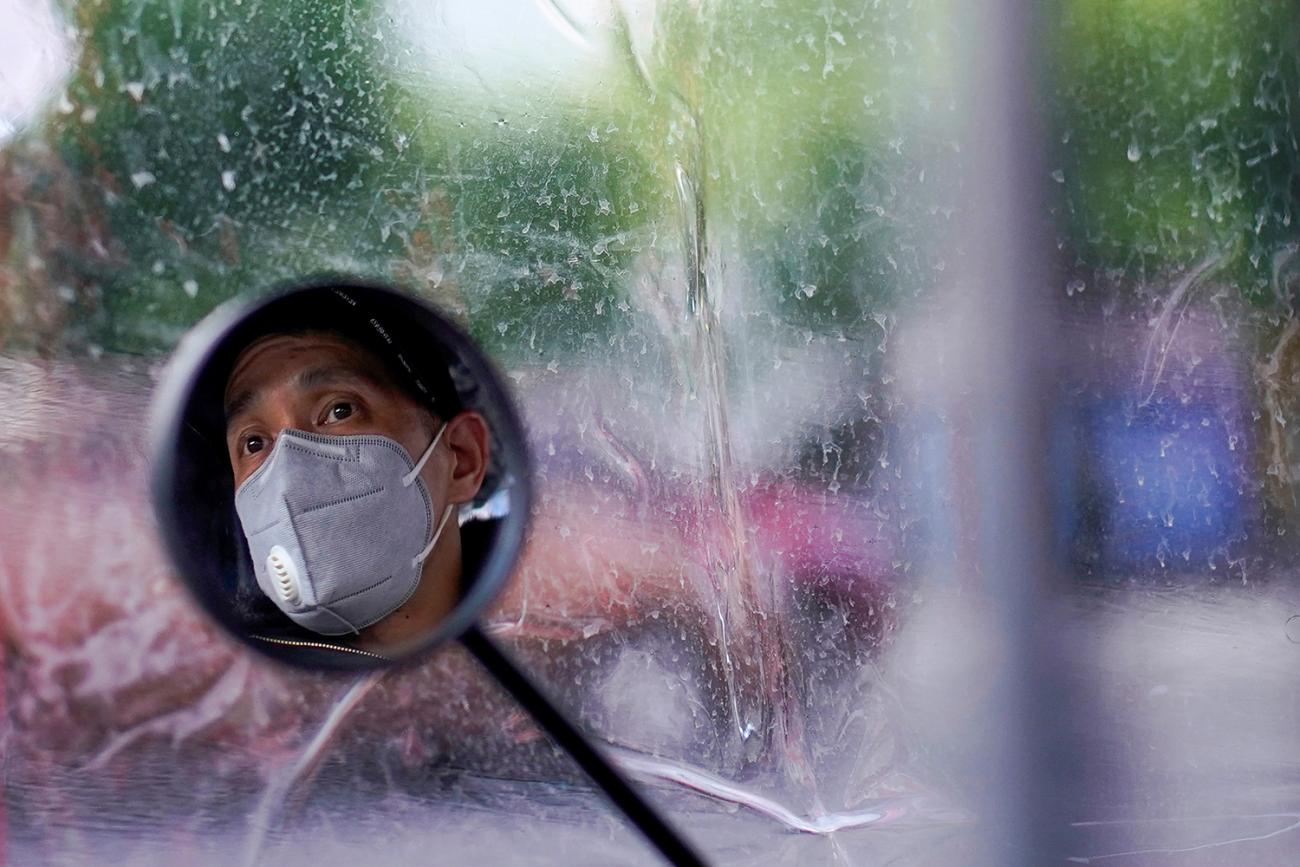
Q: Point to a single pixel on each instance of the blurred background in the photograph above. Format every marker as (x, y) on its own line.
(718, 249)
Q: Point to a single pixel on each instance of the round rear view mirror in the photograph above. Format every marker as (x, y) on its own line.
(340, 474)
(341, 478)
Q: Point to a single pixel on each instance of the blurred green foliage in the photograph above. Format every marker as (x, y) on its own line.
(235, 146)
(232, 147)
(1176, 132)
(817, 123)
(228, 147)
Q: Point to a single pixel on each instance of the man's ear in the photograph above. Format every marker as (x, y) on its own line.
(467, 438)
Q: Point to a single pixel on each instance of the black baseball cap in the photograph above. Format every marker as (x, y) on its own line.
(414, 361)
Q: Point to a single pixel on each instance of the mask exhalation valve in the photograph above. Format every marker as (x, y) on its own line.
(284, 574)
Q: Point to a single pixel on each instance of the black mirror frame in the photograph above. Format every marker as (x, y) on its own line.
(171, 408)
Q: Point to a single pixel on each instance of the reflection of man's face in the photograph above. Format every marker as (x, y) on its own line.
(320, 383)
(326, 384)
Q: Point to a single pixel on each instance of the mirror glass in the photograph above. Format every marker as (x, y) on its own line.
(339, 473)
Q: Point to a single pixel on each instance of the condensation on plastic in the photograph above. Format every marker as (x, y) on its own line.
(715, 247)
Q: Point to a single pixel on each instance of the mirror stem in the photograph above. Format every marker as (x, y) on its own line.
(647, 820)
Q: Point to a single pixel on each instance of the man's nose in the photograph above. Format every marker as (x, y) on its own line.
(303, 423)
(293, 418)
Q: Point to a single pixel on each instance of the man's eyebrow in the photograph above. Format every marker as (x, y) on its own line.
(238, 405)
(332, 373)
(311, 378)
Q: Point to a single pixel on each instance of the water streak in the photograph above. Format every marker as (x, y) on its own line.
(1172, 313)
(720, 789)
(274, 800)
(754, 650)
(1180, 850)
(564, 22)
(729, 569)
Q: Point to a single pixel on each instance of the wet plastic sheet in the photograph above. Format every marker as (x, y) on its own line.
(718, 249)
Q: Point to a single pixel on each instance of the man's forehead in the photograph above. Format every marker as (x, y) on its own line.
(307, 359)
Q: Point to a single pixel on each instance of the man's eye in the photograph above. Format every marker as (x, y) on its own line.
(253, 444)
(339, 411)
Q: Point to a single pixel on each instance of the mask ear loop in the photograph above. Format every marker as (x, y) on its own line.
(424, 458)
(446, 516)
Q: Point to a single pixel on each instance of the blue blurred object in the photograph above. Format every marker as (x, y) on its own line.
(1162, 487)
